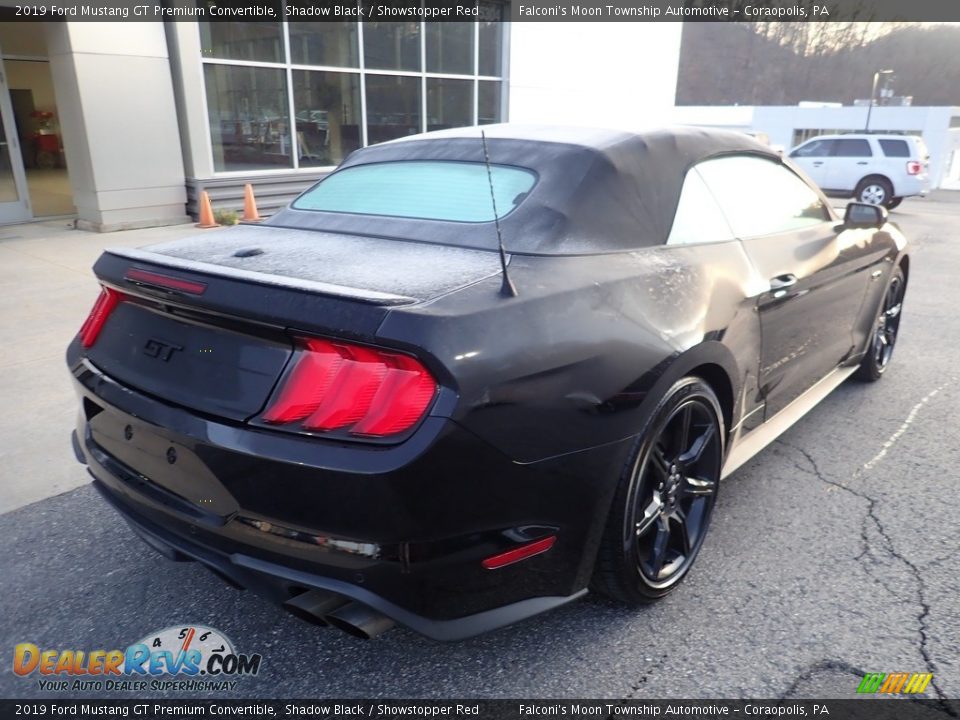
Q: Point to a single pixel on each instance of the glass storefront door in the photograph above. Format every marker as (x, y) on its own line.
(14, 198)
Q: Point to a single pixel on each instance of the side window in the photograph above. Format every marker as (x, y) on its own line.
(698, 218)
(852, 147)
(895, 148)
(762, 197)
(815, 148)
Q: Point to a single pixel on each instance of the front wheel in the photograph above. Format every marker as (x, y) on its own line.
(885, 330)
(665, 498)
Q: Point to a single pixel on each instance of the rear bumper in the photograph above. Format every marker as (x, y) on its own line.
(279, 581)
(402, 531)
(912, 186)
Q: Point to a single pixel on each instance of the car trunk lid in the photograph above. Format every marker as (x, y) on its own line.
(209, 322)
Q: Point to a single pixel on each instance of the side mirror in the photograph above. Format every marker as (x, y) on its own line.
(864, 215)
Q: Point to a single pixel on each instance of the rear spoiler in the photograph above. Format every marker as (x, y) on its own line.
(371, 297)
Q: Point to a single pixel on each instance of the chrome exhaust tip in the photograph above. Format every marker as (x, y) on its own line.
(314, 605)
(360, 621)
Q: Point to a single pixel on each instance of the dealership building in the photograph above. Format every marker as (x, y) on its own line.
(121, 125)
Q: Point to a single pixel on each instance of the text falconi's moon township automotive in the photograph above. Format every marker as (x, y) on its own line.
(652, 11)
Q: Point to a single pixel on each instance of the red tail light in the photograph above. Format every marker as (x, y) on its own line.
(108, 300)
(914, 168)
(340, 386)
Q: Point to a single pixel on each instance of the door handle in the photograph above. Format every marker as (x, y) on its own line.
(818, 163)
(780, 284)
(861, 162)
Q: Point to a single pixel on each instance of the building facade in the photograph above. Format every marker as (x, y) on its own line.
(148, 114)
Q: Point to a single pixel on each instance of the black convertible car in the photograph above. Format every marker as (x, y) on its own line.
(465, 378)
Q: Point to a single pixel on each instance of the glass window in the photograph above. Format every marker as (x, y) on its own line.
(449, 103)
(257, 41)
(393, 107)
(761, 197)
(816, 148)
(332, 43)
(895, 148)
(488, 102)
(249, 120)
(490, 39)
(852, 147)
(699, 218)
(391, 45)
(449, 47)
(457, 191)
(312, 70)
(327, 113)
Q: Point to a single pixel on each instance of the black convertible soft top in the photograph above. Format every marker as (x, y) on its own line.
(598, 190)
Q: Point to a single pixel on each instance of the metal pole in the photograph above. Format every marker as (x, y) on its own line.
(873, 94)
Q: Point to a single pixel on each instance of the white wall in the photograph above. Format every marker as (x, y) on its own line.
(621, 75)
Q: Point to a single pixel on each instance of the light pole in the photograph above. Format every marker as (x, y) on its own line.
(873, 94)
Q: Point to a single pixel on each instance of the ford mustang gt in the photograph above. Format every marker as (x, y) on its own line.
(468, 377)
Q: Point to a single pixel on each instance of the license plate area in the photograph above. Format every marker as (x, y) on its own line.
(162, 467)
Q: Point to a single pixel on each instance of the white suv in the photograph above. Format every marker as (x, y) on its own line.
(877, 169)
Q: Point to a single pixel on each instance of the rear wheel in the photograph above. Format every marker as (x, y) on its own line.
(893, 202)
(885, 330)
(665, 498)
(874, 190)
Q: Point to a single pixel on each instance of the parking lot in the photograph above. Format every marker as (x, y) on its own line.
(833, 553)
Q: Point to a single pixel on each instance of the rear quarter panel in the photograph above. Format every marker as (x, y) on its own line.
(579, 357)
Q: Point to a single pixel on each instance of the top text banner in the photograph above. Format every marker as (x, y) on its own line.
(470, 10)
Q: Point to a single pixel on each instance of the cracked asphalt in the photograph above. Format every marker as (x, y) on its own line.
(832, 553)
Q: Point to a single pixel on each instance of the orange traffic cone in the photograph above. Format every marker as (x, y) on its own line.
(206, 212)
(250, 213)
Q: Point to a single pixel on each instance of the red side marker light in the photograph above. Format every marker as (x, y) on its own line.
(520, 553)
(108, 300)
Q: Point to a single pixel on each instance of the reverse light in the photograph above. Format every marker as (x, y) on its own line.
(108, 300)
(340, 386)
(914, 167)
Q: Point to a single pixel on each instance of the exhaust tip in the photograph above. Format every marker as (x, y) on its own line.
(313, 605)
(359, 621)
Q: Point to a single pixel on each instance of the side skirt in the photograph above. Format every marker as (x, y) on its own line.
(783, 420)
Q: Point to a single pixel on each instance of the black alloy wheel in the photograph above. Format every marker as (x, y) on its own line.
(885, 330)
(665, 499)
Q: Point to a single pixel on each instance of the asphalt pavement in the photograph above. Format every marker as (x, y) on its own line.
(832, 553)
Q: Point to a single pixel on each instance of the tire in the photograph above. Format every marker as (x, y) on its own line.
(665, 498)
(886, 328)
(893, 202)
(873, 190)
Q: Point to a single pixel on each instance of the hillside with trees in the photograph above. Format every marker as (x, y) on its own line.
(782, 63)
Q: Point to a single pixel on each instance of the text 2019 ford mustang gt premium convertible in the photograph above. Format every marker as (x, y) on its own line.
(466, 377)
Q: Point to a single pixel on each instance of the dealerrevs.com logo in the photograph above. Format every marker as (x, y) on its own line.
(201, 657)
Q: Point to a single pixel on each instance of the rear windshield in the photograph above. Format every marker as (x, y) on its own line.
(429, 190)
